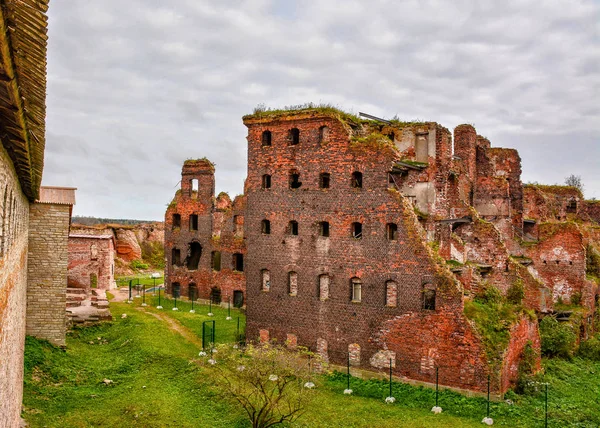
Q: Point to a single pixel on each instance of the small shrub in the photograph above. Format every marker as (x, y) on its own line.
(526, 368)
(576, 299)
(516, 292)
(489, 294)
(590, 349)
(138, 265)
(558, 339)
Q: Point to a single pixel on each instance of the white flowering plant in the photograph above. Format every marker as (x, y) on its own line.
(272, 384)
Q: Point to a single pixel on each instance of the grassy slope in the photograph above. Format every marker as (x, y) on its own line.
(65, 388)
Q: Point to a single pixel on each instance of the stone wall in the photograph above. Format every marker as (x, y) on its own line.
(47, 271)
(14, 209)
(91, 262)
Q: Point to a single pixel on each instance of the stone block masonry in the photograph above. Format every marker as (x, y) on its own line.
(47, 271)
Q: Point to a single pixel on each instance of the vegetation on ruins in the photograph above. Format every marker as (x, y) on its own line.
(261, 111)
(272, 383)
(558, 338)
(575, 181)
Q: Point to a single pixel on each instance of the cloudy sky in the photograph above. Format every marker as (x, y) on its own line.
(135, 87)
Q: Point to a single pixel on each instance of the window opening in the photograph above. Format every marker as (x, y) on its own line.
(572, 206)
(295, 182)
(324, 229)
(324, 179)
(194, 222)
(176, 257)
(323, 134)
(356, 285)
(266, 181)
(238, 298)
(194, 188)
(293, 283)
(176, 290)
(195, 252)
(238, 262)
(294, 136)
(392, 231)
(266, 227)
(176, 221)
(266, 279)
(293, 228)
(216, 260)
(357, 180)
(266, 138)
(357, 230)
(192, 291)
(428, 298)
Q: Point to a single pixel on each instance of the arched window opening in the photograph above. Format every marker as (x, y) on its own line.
(392, 231)
(195, 252)
(323, 287)
(293, 283)
(428, 297)
(176, 290)
(266, 227)
(293, 228)
(324, 179)
(238, 298)
(238, 225)
(294, 136)
(324, 229)
(391, 294)
(266, 138)
(356, 289)
(266, 181)
(266, 280)
(215, 295)
(572, 206)
(357, 230)
(176, 221)
(295, 182)
(357, 180)
(238, 262)
(323, 134)
(215, 261)
(194, 186)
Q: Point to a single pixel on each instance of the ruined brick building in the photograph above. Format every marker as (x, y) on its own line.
(91, 262)
(379, 240)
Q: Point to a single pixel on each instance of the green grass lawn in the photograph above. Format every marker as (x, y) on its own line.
(157, 382)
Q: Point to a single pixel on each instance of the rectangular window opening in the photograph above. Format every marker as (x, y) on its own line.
(194, 222)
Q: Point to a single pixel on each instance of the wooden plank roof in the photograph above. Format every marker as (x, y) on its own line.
(23, 47)
(57, 195)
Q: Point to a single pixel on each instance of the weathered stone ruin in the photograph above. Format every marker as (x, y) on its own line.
(377, 240)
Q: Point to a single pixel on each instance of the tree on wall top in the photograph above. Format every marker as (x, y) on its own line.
(574, 181)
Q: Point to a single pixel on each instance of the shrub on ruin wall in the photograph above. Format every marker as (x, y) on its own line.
(516, 292)
(558, 339)
(590, 349)
(526, 370)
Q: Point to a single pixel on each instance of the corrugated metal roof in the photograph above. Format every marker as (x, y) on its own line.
(23, 45)
(57, 195)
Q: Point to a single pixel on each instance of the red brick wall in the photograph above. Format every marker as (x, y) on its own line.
(91, 256)
(216, 232)
(526, 331)
(337, 324)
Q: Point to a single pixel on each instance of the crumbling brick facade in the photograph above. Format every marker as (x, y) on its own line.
(366, 240)
(204, 239)
(91, 262)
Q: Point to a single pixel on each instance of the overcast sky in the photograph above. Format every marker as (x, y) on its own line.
(135, 87)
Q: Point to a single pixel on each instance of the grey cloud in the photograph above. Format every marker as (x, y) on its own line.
(136, 87)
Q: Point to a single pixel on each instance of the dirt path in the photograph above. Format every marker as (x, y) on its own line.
(176, 327)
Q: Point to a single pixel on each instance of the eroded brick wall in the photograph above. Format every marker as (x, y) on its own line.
(14, 209)
(370, 329)
(220, 229)
(47, 271)
(91, 257)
